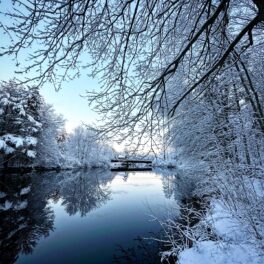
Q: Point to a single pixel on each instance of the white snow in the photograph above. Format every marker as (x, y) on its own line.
(4, 101)
(25, 190)
(20, 109)
(121, 157)
(224, 224)
(232, 248)
(31, 141)
(32, 120)
(9, 150)
(7, 205)
(13, 139)
(2, 144)
(211, 252)
(20, 206)
(18, 142)
(31, 153)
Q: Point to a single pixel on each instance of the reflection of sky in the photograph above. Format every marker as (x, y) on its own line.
(94, 237)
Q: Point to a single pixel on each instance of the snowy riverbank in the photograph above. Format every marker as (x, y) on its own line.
(233, 244)
(58, 168)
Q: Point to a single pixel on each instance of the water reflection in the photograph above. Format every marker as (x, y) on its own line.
(177, 184)
(82, 193)
(24, 214)
(27, 211)
(145, 251)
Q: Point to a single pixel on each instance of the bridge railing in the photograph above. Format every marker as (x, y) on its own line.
(131, 161)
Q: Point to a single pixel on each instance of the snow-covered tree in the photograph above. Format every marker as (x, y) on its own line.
(32, 134)
(81, 192)
(222, 130)
(48, 149)
(25, 214)
(137, 47)
(19, 123)
(85, 148)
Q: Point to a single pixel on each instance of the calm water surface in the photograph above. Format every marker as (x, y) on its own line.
(83, 217)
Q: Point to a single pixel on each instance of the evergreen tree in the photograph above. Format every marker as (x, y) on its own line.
(19, 123)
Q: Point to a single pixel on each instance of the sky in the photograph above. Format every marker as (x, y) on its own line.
(70, 104)
(68, 100)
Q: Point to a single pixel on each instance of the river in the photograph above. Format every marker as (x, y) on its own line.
(92, 216)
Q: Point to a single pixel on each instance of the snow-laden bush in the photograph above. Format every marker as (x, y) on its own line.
(222, 134)
(84, 148)
(48, 149)
(19, 124)
(241, 192)
(32, 134)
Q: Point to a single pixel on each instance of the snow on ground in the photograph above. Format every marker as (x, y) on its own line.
(211, 252)
(225, 226)
(233, 248)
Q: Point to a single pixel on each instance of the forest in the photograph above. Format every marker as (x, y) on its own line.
(182, 82)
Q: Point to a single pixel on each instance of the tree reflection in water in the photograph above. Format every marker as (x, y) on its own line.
(82, 191)
(177, 184)
(24, 216)
(146, 251)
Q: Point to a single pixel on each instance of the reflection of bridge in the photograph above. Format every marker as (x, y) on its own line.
(133, 165)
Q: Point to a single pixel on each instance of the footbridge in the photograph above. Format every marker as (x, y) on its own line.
(130, 165)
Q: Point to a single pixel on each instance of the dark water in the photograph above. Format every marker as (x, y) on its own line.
(83, 217)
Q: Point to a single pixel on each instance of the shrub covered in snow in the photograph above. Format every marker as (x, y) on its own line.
(19, 123)
(32, 134)
(84, 148)
(49, 153)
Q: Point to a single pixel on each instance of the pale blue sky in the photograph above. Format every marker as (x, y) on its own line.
(67, 101)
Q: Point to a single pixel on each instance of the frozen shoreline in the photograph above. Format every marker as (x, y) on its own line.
(232, 246)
